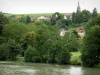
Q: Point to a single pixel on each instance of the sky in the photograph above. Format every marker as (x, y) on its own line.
(46, 6)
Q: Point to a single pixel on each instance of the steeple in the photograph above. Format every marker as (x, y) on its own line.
(78, 7)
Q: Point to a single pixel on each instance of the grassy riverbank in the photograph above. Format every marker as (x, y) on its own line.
(75, 58)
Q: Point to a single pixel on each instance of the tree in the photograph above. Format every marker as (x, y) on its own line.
(92, 23)
(13, 49)
(55, 17)
(3, 21)
(28, 39)
(28, 19)
(74, 17)
(14, 30)
(9, 50)
(86, 15)
(91, 48)
(31, 55)
(79, 18)
(94, 14)
(3, 52)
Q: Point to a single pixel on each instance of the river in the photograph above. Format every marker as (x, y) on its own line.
(16, 68)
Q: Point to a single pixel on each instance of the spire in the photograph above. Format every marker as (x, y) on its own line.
(78, 7)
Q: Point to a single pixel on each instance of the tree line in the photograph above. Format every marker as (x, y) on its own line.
(40, 41)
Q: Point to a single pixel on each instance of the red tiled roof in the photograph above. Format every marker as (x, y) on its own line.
(17, 17)
(80, 31)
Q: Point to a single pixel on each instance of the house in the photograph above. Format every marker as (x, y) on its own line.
(68, 16)
(33, 19)
(62, 32)
(17, 17)
(43, 18)
(81, 32)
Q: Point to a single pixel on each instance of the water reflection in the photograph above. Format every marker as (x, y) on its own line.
(11, 68)
(75, 70)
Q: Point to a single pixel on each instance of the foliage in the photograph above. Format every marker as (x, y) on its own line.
(15, 30)
(75, 58)
(73, 43)
(75, 33)
(28, 19)
(9, 51)
(93, 22)
(31, 55)
(81, 17)
(3, 52)
(86, 15)
(94, 13)
(91, 49)
(49, 47)
(14, 49)
(3, 21)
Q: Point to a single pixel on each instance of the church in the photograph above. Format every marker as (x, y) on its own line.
(69, 15)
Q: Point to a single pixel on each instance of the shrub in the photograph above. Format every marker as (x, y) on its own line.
(9, 51)
(91, 47)
(13, 49)
(3, 52)
(31, 55)
(75, 62)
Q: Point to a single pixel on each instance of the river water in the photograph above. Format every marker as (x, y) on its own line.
(14, 68)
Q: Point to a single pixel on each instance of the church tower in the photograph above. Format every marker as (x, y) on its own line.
(78, 7)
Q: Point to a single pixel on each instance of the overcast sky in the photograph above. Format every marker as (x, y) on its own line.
(46, 6)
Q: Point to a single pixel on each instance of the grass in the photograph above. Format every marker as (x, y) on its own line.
(75, 58)
(75, 53)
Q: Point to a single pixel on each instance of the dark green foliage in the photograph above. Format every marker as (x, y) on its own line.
(75, 33)
(94, 13)
(9, 51)
(3, 21)
(14, 49)
(86, 15)
(73, 44)
(28, 19)
(26, 40)
(81, 17)
(55, 17)
(3, 52)
(31, 55)
(48, 45)
(91, 49)
(93, 22)
(74, 17)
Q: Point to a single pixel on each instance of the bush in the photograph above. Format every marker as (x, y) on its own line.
(13, 49)
(3, 52)
(91, 47)
(31, 55)
(9, 51)
(75, 62)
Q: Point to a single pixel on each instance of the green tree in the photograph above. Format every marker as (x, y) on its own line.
(9, 50)
(86, 15)
(28, 19)
(28, 39)
(55, 17)
(74, 17)
(3, 52)
(3, 20)
(31, 55)
(14, 49)
(91, 49)
(94, 13)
